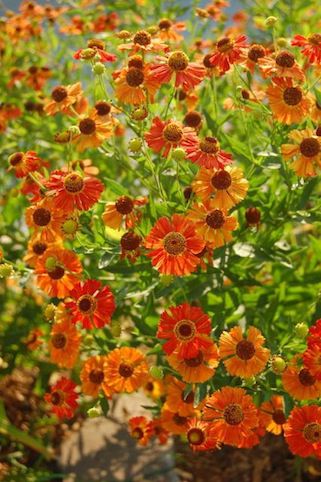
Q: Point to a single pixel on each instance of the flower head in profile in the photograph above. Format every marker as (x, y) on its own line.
(304, 151)
(125, 370)
(134, 83)
(62, 98)
(93, 131)
(23, 163)
(63, 398)
(173, 246)
(302, 431)
(206, 152)
(281, 64)
(252, 55)
(177, 400)
(95, 49)
(299, 382)
(92, 304)
(272, 414)
(228, 52)
(64, 344)
(142, 41)
(166, 135)
(311, 46)
(169, 31)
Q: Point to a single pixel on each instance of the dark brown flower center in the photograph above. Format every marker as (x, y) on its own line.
(310, 147)
(33, 70)
(39, 248)
(221, 180)
(279, 417)
(59, 340)
(165, 24)
(102, 108)
(96, 376)
(87, 126)
(245, 350)
(142, 38)
(292, 95)
(188, 191)
(56, 398)
(195, 361)
(179, 420)
(137, 433)
(189, 399)
(178, 60)
(306, 378)
(130, 241)
(314, 39)
(215, 219)
(124, 205)
(73, 183)
(256, 52)
(174, 243)
(125, 371)
(245, 94)
(136, 61)
(207, 62)
(224, 45)
(253, 215)
(185, 330)
(134, 77)
(285, 59)
(16, 158)
(59, 93)
(149, 386)
(41, 217)
(312, 432)
(56, 273)
(96, 44)
(193, 119)
(233, 414)
(195, 436)
(173, 133)
(86, 304)
(209, 145)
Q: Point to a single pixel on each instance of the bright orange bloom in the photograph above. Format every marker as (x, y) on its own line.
(141, 429)
(299, 382)
(165, 135)
(176, 401)
(185, 328)
(312, 360)
(228, 52)
(232, 415)
(174, 246)
(281, 64)
(142, 40)
(315, 112)
(197, 369)
(314, 335)
(252, 55)
(169, 31)
(187, 74)
(159, 431)
(95, 48)
(71, 191)
(92, 376)
(125, 370)
(133, 84)
(92, 304)
(227, 187)
(212, 224)
(272, 414)
(200, 435)
(93, 130)
(173, 422)
(206, 152)
(63, 398)
(64, 344)
(57, 272)
(123, 209)
(302, 431)
(62, 98)
(305, 152)
(288, 102)
(46, 220)
(243, 357)
(311, 46)
(36, 249)
(22, 163)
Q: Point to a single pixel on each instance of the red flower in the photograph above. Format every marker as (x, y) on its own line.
(206, 152)
(314, 336)
(63, 398)
(228, 52)
(311, 46)
(165, 135)
(72, 190)
(175, 246)
(24, 162)
(303, 431)
(92, 304)
(185, 328)
(95, 47)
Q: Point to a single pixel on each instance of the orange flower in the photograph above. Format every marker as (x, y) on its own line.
(228, 52)
(302, 431)
(315, 113)
(197, 369)
(187, 74)
(169, 31)
(312, 359)
(36, 77)
(33, 340)
(72, 190)
(252, 55)
(200, 435)
(92, 376)
(305, 152)
(227, 187)
(206, 152)
(159, 431)
(125, 370)
(165, 135)
(22, 163)
(272, 414)
(62, 98)
(46, 220)
(63, 398)
(281, 64)
(92, 305)
(64, 344)
(93, 130)
(123, 209)
(288, 102)
(95, 48)
(173, 422)
(176, 401)
(175, 245)
(130, 244)
(135, 82)
(212, 224)
(143, 41)
(57, 272)
(232, 415)
(299, 382)
(141, 429)
(311, 46)
(185, 328)
(36, 249)
(243, 357)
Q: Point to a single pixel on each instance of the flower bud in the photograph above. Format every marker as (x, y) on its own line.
(115, 328)
(70, 226)
(135, 145)
(50, 311)
(99, 68)
(271, 21)
(139, 114)
(278, 365)
(94, 412)
(156, 372)
(6, 270)
(301, 330)
(178, 154)
(282, 42)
